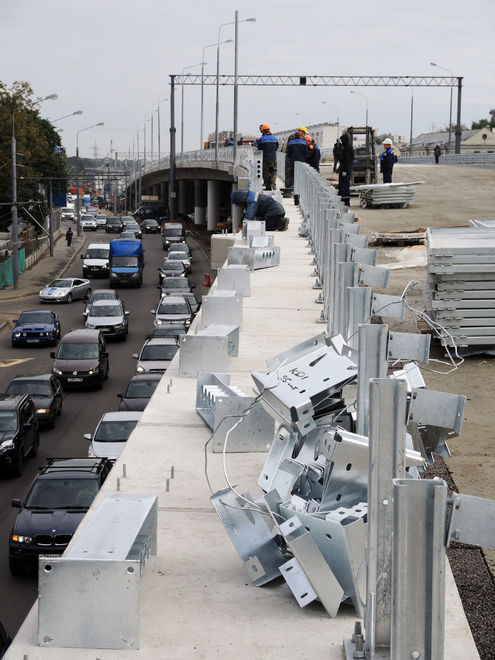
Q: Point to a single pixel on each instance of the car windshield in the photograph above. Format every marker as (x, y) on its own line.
(60, 283)
(105, 310)
(29, 387)
(175, 283)
(35, 317)
(62, 494)
(102, 296)
(171, 265)
(70, 351)
(177, 256)
(158, 352)
(8, 420)
(132, 226)
(173, 308)
(84, 218)
(140, 389)
(174, 232)
(152, 223)
(97, 253)
(116, 431)
(125, 261)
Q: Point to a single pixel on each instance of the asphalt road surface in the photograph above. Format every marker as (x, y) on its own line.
(81, 409)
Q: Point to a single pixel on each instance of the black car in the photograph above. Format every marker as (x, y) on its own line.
(55, 504)
(171, 269)
(114, 225)
(175, 286)
(157, 212)
(150, 226)
(46, 393)
(81, 359)
(38, 326)
(19, 435)
(172, 232)
(138, 391)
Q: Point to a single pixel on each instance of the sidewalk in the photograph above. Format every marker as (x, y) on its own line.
(45, 270)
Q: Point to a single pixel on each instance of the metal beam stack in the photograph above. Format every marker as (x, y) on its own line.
(460, 285)
(398, 195)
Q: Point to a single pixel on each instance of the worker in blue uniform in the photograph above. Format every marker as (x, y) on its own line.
(268, 144)
(297, 151)
(387, 160)
(261, 207)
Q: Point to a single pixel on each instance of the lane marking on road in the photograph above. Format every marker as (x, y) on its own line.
(13, 361)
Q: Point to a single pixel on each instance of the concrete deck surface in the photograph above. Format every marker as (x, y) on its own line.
(196, 601)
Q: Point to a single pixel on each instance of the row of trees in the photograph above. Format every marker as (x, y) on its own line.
(37, 159)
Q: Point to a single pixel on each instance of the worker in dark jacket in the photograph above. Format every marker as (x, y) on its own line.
(261, 207)
(345, 169)
(268, 144)
(314, 154)
(387, 161)
(437, 152)
(337, 154)
(68, 236)
(297, 151)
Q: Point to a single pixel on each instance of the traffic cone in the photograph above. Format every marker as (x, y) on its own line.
(207, 280)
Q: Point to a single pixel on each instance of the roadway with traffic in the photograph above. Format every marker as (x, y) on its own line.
(81, 409)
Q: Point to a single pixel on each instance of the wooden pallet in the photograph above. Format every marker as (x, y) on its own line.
(400, 238)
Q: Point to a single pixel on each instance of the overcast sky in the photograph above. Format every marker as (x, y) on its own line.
(112, 60)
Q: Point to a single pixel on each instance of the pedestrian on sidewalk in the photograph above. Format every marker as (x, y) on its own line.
(345, 169)
(387, 160)
(68, 236)
(437, 153)
(268, 144)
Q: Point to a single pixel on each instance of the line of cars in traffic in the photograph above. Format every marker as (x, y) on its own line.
(65, 487)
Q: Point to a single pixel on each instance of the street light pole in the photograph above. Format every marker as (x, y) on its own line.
(337, 107)
(77, 112)
(15, 223)
(158, 122)
(191, 66)
(217, 90)
(450, 107)
(78, 205)
(364, 97)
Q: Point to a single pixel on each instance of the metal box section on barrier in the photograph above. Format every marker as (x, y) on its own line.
(89, 597)
(221, 307)
(253, 228)
(254, 258)
(209, 350)
(222, 405)
(234, 278)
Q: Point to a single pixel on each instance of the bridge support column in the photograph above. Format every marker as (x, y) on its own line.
(182, 202)
(156, 190)
(236, 213)
(199, 202)
(164, 191)
(212, 208)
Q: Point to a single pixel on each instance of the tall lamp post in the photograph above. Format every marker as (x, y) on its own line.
(15, 224)
(364, 97)
(158, 122)
(450, 108)
(201, 125)
(191, 66)
(78, 206)
(217, 90)
(337, 108)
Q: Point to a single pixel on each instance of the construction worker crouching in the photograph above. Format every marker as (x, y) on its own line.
(261, 207)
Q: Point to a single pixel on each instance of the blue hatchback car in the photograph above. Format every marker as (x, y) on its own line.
(36, 327)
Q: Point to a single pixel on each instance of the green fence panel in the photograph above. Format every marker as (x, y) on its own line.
(22, 261)
(6, 273)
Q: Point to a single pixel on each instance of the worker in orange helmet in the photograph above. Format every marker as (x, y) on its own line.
(268, 144)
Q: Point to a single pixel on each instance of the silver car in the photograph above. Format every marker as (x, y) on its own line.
(111, 434)
(108, 316)
(156, 355)
(175, 310)
(88, 223)
(65, 290)
(182, 257)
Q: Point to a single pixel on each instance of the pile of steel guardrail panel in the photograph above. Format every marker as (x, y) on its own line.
(386, 194)
(460, 286)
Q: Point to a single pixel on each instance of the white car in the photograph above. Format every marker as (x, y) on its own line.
(108, 316)
(101, 220)
(112, 433)
(88, 223)
(67, 213)
(65, 290)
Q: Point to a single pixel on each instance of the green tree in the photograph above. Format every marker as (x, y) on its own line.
(481, 123)
(36, 140)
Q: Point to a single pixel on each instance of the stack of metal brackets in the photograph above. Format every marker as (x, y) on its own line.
(315, 477)
(221, 405)
(460, 286)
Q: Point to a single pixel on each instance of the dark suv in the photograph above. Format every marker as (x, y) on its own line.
(81, 359)
(56, 503)
(19, 434)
